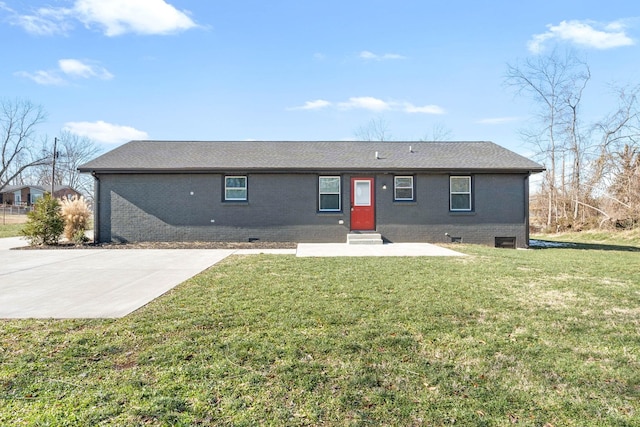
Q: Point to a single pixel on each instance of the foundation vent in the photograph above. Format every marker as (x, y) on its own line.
(506, 242)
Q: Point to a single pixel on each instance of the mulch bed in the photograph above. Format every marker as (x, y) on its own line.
(168, 245)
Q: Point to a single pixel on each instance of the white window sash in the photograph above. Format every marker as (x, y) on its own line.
(402, 187)
(322, 193)
(453, 193)
(227, 188)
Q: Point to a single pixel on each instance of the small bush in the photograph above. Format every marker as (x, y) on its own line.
(76, 214)
(44, 223)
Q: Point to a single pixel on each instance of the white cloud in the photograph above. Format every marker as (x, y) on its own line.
(45, 22)
(426, 109)
(72, 68)
(313, 105)
(364, 102)
(372, 104)
(583, 33)
(104, 132)
(77, 68)
(133, 16)
(497, 120)
(365, 54)
(114, 17)
(45, 78)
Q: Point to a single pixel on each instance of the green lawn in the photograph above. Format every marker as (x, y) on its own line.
(547, 337)
(10, 230)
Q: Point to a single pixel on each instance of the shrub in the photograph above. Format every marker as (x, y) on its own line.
(76, 214)
(44, 223)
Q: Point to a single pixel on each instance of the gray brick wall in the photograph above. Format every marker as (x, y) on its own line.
(280, 207)
(163, 208)
(499, 210)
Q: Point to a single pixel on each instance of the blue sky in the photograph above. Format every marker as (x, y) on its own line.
(301, 70)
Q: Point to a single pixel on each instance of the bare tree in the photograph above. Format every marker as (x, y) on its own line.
(439, 132)
(625, 187)
(621, 128)
(18, 120)
(556, 84)
(375, 130)
(73, 150)
(378, 130)
(575, 139)
(617, 167)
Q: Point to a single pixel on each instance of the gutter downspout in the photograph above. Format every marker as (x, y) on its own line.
(526, 210)
(96, 208)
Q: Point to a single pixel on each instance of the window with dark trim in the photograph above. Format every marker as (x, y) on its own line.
(235, 188)
(329, 194)
(460, 193)
(403, 188)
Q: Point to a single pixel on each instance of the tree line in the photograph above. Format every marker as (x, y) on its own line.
(592, 176)
(27, 160)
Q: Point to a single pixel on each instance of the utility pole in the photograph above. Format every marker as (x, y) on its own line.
(53, 171)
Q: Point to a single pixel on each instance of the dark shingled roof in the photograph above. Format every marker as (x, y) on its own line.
(202, 156)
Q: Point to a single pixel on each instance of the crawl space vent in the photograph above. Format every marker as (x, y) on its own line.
(506, 242)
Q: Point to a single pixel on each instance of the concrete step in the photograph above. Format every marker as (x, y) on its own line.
(364, 238)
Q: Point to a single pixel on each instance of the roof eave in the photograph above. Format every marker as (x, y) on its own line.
(306, 170)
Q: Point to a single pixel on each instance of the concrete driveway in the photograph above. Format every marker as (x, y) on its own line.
(92, 283)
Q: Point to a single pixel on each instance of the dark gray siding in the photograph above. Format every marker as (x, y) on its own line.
(499, 210)
(284, 207)
(161, 207)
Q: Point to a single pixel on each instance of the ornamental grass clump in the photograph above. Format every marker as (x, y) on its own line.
(76, 214)
(44, 223)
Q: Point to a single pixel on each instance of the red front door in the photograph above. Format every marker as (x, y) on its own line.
(362, 204)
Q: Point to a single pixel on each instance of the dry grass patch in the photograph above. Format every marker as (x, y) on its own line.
(613, 282)
(555, 299)
(632, 313)
(12, 219)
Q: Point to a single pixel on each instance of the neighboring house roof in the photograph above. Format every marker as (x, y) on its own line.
(203, 156)
(44, 188)
(12, 188)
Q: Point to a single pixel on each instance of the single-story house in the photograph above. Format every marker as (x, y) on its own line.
(312, 191)
(28, 194)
